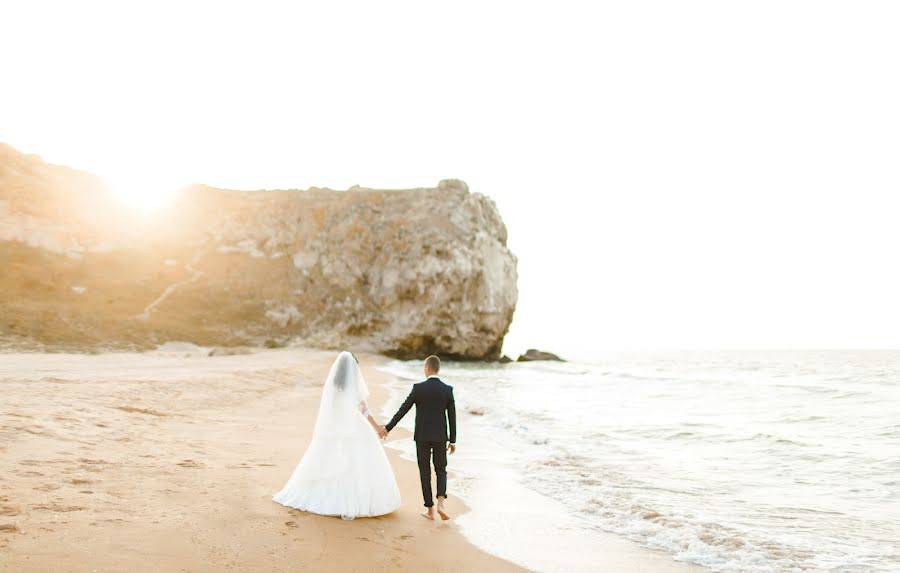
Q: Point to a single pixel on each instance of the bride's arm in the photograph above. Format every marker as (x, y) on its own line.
(364, 408)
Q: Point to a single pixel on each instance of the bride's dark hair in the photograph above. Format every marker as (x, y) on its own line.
(341, 373)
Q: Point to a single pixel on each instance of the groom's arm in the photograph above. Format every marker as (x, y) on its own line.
(451, 417)
(404, 408)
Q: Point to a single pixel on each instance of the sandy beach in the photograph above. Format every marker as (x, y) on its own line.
(168, 461)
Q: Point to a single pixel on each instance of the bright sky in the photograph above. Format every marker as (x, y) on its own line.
(673, 174)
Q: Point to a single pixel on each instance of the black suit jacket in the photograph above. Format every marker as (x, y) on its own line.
(433, 399)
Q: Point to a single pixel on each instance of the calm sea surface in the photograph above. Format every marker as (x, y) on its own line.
(738, 461)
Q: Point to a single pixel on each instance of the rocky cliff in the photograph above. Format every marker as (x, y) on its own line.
(406, 272)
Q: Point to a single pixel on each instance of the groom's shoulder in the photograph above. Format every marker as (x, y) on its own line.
(442, 383)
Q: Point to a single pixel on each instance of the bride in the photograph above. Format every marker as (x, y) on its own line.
(344, 471)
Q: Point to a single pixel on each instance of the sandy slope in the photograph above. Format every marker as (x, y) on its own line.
(168, 463)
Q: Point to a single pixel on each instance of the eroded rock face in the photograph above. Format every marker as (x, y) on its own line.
(406, 273)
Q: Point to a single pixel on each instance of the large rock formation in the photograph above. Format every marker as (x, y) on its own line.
(406, 272)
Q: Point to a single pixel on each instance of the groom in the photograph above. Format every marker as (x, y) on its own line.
(433, 399)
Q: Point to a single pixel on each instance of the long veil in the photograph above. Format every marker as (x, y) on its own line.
(344, 471)
(344, 389)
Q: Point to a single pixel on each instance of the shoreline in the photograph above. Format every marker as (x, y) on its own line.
(167, 461)
(510, 520)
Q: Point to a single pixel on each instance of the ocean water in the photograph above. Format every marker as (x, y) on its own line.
(737, 461)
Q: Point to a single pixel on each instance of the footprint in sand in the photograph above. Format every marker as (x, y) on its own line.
(399, 542)
(58, 508)
(80, 481)
(9, 510)
(134, 410)
(291, 523)
(47, 487)
(8, 528)
(191, 464)
(90, 465)
(39, 432)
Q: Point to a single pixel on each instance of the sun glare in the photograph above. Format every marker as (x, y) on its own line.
(143, 195)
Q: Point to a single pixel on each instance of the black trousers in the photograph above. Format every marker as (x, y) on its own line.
(425, 452)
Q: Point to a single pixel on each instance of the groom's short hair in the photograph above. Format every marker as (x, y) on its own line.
(433, 363)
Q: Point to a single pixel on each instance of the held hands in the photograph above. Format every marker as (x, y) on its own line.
(382, 432)
(451, 448)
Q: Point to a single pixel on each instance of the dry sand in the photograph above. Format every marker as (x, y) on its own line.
(132, 463)
(125, 462)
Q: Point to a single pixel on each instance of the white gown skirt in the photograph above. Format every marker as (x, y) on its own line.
(345, 475)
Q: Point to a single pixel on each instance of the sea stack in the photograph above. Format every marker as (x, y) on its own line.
(534, 355)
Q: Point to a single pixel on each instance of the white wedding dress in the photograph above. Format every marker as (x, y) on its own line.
(344, 471)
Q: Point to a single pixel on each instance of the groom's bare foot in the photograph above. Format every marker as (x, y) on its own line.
(440, 509)
(429, 513)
